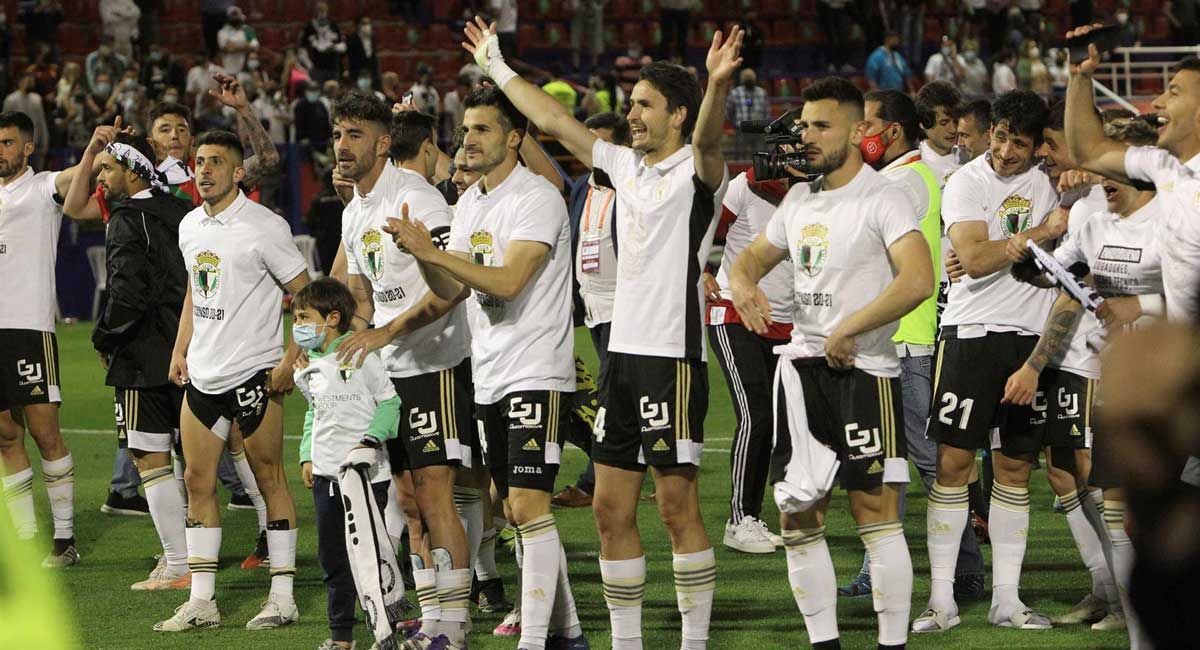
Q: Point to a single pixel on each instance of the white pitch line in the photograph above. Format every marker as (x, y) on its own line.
(110, 432)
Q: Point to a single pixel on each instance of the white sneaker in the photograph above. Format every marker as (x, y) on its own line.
(777, 540)
(1115, 621)
(192, 615)
(161, 578)
(274, 614)
(1089, 610)
(747, 536)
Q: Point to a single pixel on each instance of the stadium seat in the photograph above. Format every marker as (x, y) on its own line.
(785, 32)
(633, 32)
(274, 38)
(621, 10)
(344, 10)
(389, 34)
(1157, 28)
(441, 37)
(178, 11)
(446, 10)
(295, 10)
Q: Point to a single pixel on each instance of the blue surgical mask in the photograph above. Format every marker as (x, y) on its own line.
(364, 83)
(306, 335)
(312, 96)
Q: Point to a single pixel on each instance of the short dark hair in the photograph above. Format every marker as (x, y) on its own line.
(836, 88)
(680, 87)
(1024, 112)
(1191, 63)
(21, 121)
(363, 107)
(510, 117)
(326, 296)
(409, 130)
(1056, 116)
(935, 95)
(220, 138)
(895, 106)
(609, 120)
(981, 110)
(160, 109)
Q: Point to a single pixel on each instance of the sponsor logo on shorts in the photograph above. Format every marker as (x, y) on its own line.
(655, 415)
(524, 415)
(863, 443)
(875, 468)
(422, 424)
(431, 447)
(660, 446)
(531, 445)
(526, 469)
(30, 373)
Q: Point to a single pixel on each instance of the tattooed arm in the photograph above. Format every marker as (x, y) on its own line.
(1051, 348)
(265, 159)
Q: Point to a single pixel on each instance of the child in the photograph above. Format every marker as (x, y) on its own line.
(352, 411)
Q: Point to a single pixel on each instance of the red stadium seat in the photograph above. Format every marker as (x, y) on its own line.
(446, 9)
(274, 38)
(785, 32)
(178, 11)
(295, 10)
(633, 32)
(344, 10)
(389, 34)
(621, 9)
(1157, 28)
(528, 36)
(441, 37)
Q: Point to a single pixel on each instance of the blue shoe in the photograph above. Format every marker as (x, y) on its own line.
(563, 643)
(860, 586)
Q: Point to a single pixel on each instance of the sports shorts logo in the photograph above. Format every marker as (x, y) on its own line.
(372, 241)
(524, 413)
(206, 273)
(30, 373)
(1016, 215)
(813, 248)
(656, 415)
(422, 423)
(483, 252)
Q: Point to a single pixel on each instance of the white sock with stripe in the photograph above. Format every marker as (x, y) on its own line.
(814, 585)
(59, 476)
(18, 493)
(891, 579)
(624, 586)
(485, 558)
(945, 518)
(167, 511)
(204, 547)
(695, 583)
(469, 504)
(250, 485)
(1008, 526)
(1091, 550)
(1122, 559)
(281, 549)
(539, 579)
(564, 618)
(425, 581)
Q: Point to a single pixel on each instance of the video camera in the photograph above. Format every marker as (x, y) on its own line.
(783, 130)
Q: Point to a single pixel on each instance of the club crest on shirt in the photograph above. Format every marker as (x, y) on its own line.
(1016, 215)
(345, 372)
(206, 273)
(812, 248)
(372, 252)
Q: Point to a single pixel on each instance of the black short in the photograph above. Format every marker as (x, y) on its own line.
(147, 418)
(651, 412)
(246, 405)
(435, 419)
(856, 414)
(28, 368)
(1068, 402)
(520, 438)
(968, 384)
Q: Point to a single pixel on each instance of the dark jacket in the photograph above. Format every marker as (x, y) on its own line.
(147, 279)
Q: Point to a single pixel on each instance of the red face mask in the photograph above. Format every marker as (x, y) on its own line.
(873, 146)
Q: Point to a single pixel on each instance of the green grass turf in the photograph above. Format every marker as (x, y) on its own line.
(753, 606)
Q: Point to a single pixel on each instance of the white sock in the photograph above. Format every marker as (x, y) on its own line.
(469, 505)
(485, 558)
(891, 579)
(59, 476)
(695, 582)
(1093, 507)
(1091, 550)
(454, 590)
(167, 511)
(624, 586)
(250, 485)
(18, 492)
(814, 585)
(945, 518)
(1122, 568)
(539, 579)
(204, 547)
(564, 618)
(281, 550)
(427, 596)
(1008, 527)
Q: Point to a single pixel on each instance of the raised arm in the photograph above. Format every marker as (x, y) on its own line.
(265, 159)
(723, 61)
(1084, 129)
(78, 201)
(543, 110)
(540, 162)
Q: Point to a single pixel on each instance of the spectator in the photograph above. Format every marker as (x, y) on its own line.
(912, 30)
(946, 64)
(74, 120)
(1184, 18)
(361, 51)
(1060, 72)
(201, 79)
(974, 129)
(101, 102)
(211, 115)
(161, 70)
(471, 69)
(559, 89)
(747, 101)
(453, 108)
(587, 23)
(754, 39)
(331, 92)
(975, 81)
(604, 94)
(41, 20)
(1003, 77)
(131, 101)
(425, 96)
(886, 67)
(213, 14)
(45, 73)
(505, 14)
(366, 84)
(23, 99)
(294, 76)
(390, 85)
(971, 16)
(105, 61)
(119, 19)
(629, 64)
(235, 41)
(996, 19)
(255, 75)
(674, 18)
(148, 25)
(324, 221)
(322, 46)
(1032, 73)
(1031, 13)
(834, 19)
(311, 118)
(1131, 34)
(270, 107)
(69, 82)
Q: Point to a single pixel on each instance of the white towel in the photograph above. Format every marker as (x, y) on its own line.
(809, 474)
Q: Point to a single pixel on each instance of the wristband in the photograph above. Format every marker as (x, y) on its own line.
(1152, 304)
(370, 441)
(501, 73)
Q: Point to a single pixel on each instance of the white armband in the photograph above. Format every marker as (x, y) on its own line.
(1152, 304)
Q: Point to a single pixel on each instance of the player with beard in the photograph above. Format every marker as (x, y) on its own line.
(860, 263)
(136, 330)
(228, 354)
(990, 326)
(423, 340)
